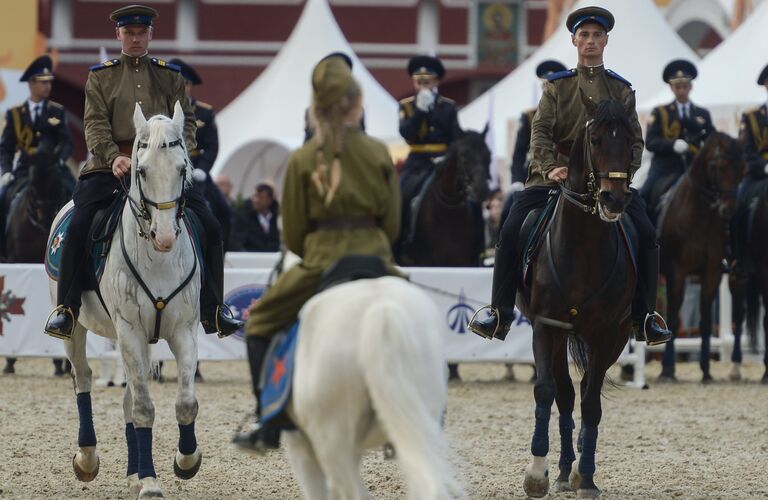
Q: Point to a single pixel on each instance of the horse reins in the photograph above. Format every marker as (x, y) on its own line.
(711, 196)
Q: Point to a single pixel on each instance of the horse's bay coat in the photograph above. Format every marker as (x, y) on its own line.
(113, 89)
(561, 114)
(368, 187)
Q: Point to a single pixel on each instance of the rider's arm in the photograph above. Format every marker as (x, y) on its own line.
(755, 163)
(98, 129)
(543, 158)
(522, 146)
(294, 208)
(7, 145)
(654, 138)
(390, 222)
(455, 132)
(190, 122)
(209, 144)
(637, 131)
(411, 119)
(63, 138)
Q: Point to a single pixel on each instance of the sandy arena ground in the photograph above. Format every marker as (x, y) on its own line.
(672, 441)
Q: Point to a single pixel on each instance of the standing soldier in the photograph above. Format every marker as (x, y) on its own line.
(676, 131)
(754, 137)
(113, 89)
(37, 122)
(204, 154)
(429, 123)
(558, 118)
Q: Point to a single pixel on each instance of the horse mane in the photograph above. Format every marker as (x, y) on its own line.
(161, 131)
(611, 112)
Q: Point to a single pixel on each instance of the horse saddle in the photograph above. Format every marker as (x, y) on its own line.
(662, 206)
(535, 226)
(415, 202)
(276, 378)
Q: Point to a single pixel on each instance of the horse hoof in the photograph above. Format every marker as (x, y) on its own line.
(590, 493)
(764, 380)
(707, 379)
(150, 488)
(187, 471)
(562, 486)
(82, 474)
(134, 485)
(735, 374)
(536, 484)
(574, 480)
(666, 379)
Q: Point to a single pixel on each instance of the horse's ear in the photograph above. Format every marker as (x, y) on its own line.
(590, 106)
(139, 121)
(178, 116)
(485, 130)
(629, 102)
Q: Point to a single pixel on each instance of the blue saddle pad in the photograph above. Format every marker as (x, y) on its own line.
(277, 378)
(55, 244)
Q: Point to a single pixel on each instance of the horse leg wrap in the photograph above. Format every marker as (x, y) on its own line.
(87, 435)
(133, 449)
(144, 445)
(567, 455)
(540, 441)
(187, 439)
(587, 461)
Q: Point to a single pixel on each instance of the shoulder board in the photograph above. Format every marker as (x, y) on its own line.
(54, 104)
(109, 63)
(561, 74)
(204, 105)
(166, 65)
(407, 100)
(618, 77)
(445, 99)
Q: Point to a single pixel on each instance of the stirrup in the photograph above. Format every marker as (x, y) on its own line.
(58, 309)
(224, 308)
(659, 319)
(496, 313)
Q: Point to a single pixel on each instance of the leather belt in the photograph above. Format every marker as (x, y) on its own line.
(345, 222)
(429, 148)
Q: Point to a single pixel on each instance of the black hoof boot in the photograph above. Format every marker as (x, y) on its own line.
(60, 323)
(656, 333)
(221, 321)
(495, 325)
(258, 440)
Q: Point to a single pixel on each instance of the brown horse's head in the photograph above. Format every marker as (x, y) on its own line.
(470, 156)
(601, 160)
(717, 171)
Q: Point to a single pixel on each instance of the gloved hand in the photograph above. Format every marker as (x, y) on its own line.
(516, 186)
(6, 179)
(425, 99)
(199, 175)
(680, 146)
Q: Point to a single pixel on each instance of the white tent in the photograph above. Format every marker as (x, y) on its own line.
(265, 122)
(727, 81)
(639, 47)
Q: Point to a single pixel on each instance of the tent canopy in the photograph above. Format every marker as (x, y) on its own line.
(265, 122)
(639, 47)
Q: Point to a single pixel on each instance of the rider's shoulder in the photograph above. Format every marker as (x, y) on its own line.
(55, 106)
(161, 63)
(407, 100)
(204, 105)
(109, 63)
(559, 75)
(446, 100)
(618, 77)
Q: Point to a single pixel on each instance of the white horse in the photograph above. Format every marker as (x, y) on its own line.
(369, 370)
(151, 253)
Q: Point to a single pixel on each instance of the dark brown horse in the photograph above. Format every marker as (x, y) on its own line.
(449, 229)
(583, 282)
(747, 292)
(694, 236)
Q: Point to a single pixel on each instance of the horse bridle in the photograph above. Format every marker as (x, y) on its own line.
(588, 201)
(712, 195)
(139, 209)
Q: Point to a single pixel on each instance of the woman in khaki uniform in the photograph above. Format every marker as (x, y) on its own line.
(340, 197)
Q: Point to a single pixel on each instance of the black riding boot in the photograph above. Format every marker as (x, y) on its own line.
(214, 315)
(644, 306)
(68, 290)
(498, 322)
(261, 437)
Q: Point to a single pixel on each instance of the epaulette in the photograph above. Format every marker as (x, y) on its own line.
(561, 74)
(55, 104)
(204, 105)
(618, 77)
(166, 65)
(407, 100)
(109, 63)
(446, 99)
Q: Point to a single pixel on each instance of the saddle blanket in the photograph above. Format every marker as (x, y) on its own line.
(277, 377)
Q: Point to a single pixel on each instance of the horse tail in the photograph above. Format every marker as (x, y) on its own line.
(404, 371)
(579, 352)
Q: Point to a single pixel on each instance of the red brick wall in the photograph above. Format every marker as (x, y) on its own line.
(246, 22)
(377, 24)
(91, 19)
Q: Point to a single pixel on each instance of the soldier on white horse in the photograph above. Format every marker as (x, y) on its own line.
(113, 88)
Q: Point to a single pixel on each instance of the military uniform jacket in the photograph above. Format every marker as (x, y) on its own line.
(665, 127)
(560, 115)
(754, 136)
(204, 154)
(368, 187)
(522, 147)
(111, 92)
(438, 127)
(22, 135)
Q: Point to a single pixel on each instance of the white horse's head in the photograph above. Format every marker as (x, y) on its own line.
(159, 170)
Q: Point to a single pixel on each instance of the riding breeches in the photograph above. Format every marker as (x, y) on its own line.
(196, 202)
(646, 231)
(416, 171)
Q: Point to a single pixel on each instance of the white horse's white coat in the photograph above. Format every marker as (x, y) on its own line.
(163, 262)
(369, 370)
